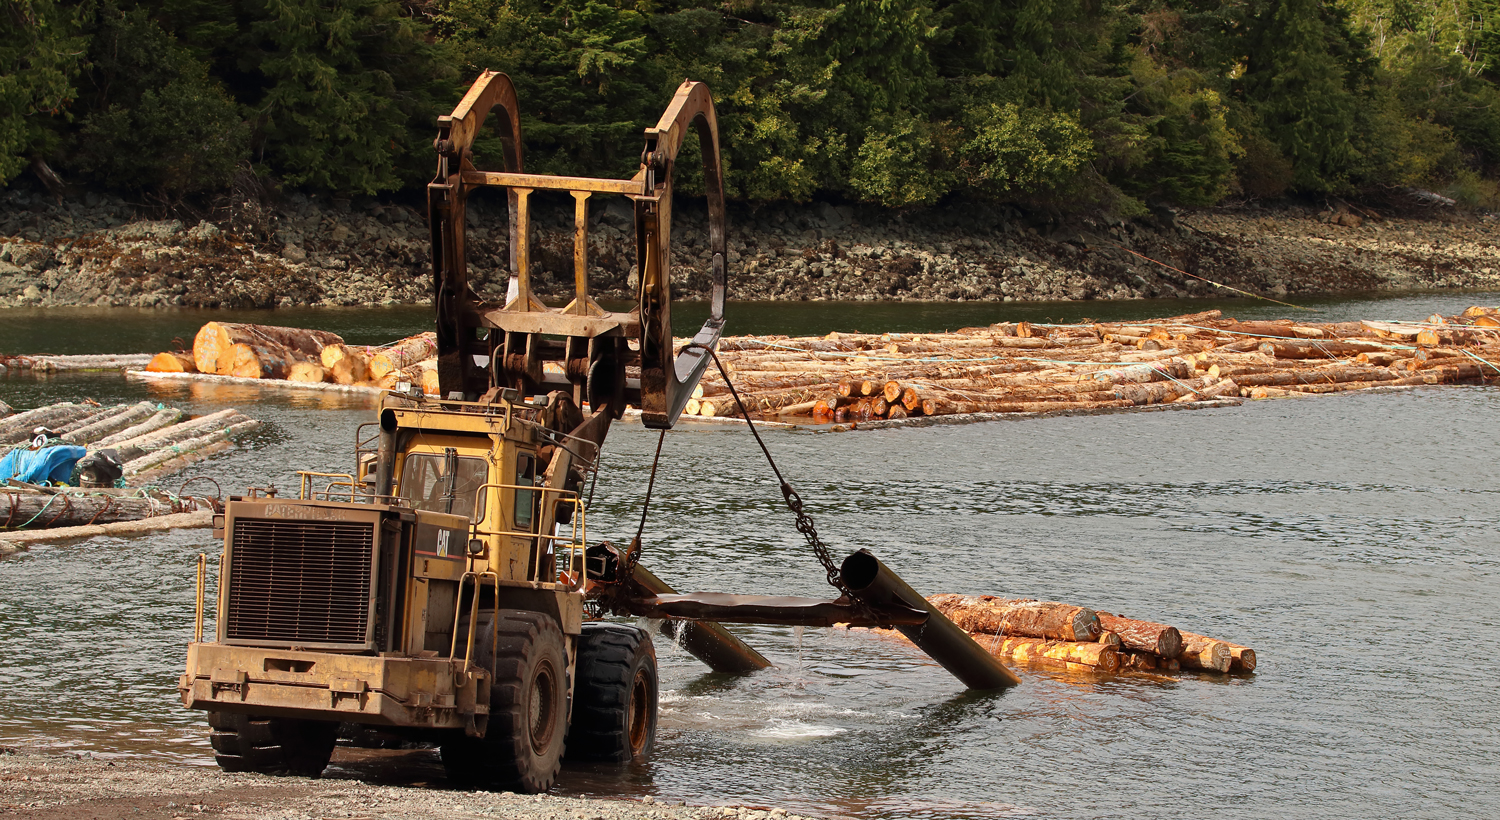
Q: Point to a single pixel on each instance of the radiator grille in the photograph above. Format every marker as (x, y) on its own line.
(305, 582)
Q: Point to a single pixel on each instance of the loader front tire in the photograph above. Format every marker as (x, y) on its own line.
(249, 743)
(523, 744)
(615, 700)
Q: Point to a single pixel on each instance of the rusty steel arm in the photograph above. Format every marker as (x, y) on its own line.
(446, 199)
(667, 383)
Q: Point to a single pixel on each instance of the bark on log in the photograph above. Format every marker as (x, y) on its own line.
(1024, 617)
(1146, 636)
(163, 418)
(47, 510)
(1321, 375)
(172, 362)
(403, 353)
(1097, 656)
(111, 424)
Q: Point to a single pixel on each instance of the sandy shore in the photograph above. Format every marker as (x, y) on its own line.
(67, 787)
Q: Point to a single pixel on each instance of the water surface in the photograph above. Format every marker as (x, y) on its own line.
(1350, 539)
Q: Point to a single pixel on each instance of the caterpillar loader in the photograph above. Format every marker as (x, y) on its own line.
(437, 592)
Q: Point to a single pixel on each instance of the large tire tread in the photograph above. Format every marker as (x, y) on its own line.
(280, 746)
(612, 660)
(505, 757)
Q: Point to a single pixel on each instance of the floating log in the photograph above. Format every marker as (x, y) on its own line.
(19, 427)
(1024, 617)
(162, 418)
(72, 509)
(1319, 349)
(135, 448)
(346, 364)
(61, 363)
(113, 423)
(178, 448)
(1203, 653)
(89, 418)
(1159, 639)
(12, 540)
(403, 353)
(1242, 658)
(260, 360)
(214, 345)
(172, 362)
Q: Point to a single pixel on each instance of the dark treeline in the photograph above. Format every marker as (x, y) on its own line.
(1068, 104)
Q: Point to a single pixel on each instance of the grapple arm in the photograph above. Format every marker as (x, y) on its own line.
(581, 347)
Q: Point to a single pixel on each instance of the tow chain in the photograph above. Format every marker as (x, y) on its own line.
(805, 523)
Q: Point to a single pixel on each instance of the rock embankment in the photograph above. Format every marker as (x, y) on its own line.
(98, 250)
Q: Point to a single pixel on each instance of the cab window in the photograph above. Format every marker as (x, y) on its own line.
(427, 487)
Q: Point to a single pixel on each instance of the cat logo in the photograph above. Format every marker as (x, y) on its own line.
(442, 542)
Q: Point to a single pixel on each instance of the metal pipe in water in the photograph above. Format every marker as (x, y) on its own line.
(875, 584)
(705, 640)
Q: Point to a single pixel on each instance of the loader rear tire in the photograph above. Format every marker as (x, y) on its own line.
(615, 699)
(523, 745)
(250, 743)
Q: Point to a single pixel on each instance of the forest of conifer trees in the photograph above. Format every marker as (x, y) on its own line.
(1076, 105)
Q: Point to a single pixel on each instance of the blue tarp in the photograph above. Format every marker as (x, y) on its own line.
(53, 464)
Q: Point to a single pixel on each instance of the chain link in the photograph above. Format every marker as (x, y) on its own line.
(793, 500)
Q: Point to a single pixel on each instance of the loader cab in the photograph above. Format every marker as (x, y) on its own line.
(493, 471)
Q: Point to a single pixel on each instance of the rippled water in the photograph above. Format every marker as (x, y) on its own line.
(1350, 539)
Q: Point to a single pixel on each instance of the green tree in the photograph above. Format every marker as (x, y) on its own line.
(151, 118)
(40, 55)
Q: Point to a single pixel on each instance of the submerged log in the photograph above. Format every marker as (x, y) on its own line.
(1025, 617)
(1159, 639)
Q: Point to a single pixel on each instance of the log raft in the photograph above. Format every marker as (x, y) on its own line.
(1086, 640)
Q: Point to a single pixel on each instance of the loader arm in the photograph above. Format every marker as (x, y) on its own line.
(580, 348)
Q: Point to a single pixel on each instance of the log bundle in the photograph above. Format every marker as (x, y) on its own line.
(1084, 639)
(1191, 360)
(147, 438)
(304, 357)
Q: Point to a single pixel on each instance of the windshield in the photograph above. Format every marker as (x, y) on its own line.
(424, 484)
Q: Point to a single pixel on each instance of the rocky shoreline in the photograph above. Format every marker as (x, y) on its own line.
(99, 250)
(67, 787)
